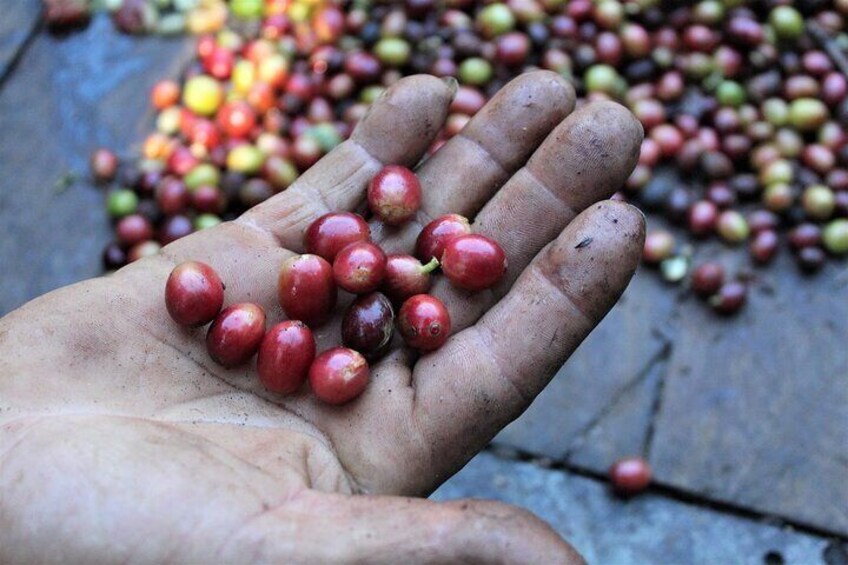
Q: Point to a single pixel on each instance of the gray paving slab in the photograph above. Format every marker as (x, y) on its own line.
(755, 409)
(18, 21)
(67, 96)
(644, 530)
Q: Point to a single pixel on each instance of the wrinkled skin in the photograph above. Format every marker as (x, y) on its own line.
(122, 441)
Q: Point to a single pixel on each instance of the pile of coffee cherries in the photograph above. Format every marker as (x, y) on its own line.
(161, 17)
(340, 255)
(744, 105)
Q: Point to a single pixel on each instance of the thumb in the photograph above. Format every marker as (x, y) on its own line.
(319, 528)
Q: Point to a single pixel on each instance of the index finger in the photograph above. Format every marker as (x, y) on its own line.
(398, 129)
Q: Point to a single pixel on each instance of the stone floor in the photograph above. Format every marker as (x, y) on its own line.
(745, 421)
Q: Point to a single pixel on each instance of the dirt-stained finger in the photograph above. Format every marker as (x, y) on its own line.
(584, 160)
(464, 174)
(486, 375)
(398, 130)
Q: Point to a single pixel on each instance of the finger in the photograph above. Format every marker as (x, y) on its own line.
(584, 160)
(333, 528)
(400, 126)
(461, 176)
(486, 375)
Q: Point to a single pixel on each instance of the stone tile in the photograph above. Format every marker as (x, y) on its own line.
(18, 22)
(68, 96)
(755, 409)
(647, 529)
(622, 430)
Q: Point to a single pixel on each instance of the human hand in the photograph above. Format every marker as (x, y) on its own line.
(121, 439)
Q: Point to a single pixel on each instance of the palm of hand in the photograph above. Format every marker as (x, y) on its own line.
(121, 437)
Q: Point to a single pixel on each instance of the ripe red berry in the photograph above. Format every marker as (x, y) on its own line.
(360, 267)
(104, 165)
(368, 325)
(235, 334)
(764, 246)
(327, 235)
(194, 294)
(703, 216)
(473, 262)
(394, 195)
(237, 119)
(285, 355)
(133, 229)
(165, 93)
(707, 279)
(435, 235)
(406, 276)
(729, 298)
(338, 375)
(630, 475)
(424, 322)
(306, 289)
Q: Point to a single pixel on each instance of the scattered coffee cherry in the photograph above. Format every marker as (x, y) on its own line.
(368, 325)
(659, 245)
(330, 233)
(435, 235)
(424, 322)
(306, 289)
(174, 228)
(235, 334)
(338, 375)
(818, 202)
(630, 476)
(203, 95)
(165, 93)
(707, 279)
(764, 246)
(732, 227)
(194, 294)
(285, 355)
(805, 235)
(133, 229)
(62, 15)
(473, 262)
(121, 202)
(811, 259)
(729, 298)
(104, 165)
(674, 268)
(835, 237)
(702, 218)
(114, 257)
(406, 276)
(360, 267)
(142, 250)
(394, 195)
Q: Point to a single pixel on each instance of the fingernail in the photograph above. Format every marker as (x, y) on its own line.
(452, 85)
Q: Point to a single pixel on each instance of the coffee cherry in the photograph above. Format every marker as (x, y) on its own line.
(360, 267)
(424, 322)
(306, 289)
(394, 195)
(235, 334)
(338, 375)
(368, 325)
(285, 355)
(194, 294)
(473, 262)
(327, 235)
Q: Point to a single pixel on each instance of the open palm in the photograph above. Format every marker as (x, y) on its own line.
(120, 438)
